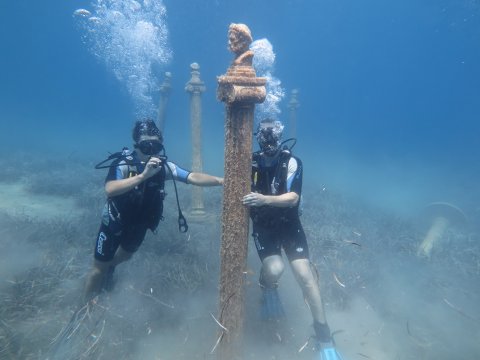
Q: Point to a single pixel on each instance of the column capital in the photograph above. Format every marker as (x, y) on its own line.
(195, 85)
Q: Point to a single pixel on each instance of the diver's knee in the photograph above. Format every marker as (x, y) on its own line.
(272, 270)
(99, 268)
(95, 272)
(274, 265)
(122, 255)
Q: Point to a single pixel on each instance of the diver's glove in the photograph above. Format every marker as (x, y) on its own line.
(272, 308)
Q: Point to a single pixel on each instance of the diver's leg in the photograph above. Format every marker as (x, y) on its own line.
(272, 270)
(269, 252)
(121, 255)
(131, 239)
(296, 249)
(106, 246)
(306, 278)
(95, 279)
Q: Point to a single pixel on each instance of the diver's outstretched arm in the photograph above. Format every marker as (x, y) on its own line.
(201, 179)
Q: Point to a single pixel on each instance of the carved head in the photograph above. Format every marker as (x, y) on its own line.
(239, 38)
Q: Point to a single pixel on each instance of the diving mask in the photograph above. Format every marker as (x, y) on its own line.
(149, 147)
(269, 135)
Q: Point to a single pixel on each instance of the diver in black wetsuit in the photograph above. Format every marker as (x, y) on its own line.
(274, 210)
(135, 193)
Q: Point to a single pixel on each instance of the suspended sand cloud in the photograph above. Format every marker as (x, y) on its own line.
(130, 37)
(264, 63)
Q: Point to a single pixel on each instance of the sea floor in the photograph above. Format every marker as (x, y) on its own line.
(381, 300)
(15, 200)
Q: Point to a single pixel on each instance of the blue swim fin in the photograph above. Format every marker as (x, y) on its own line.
(271, 308)
(328, 352)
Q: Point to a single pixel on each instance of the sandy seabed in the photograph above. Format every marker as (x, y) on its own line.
(382, 301)
(15, 200)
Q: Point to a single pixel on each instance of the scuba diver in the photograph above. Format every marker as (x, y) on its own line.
(274, 209)
(135, 193)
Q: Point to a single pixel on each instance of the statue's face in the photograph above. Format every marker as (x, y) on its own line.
(237, 42)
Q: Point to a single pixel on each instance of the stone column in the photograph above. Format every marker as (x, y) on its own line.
(293, 105)
(240, 89)
(165, 90)
(196, 87)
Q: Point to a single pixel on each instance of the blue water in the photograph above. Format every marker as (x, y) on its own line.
(389, 91)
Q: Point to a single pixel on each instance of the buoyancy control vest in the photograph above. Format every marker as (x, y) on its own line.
(272, 180)
(144, 203)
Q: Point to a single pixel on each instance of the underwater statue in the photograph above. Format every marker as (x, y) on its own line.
(239, 40)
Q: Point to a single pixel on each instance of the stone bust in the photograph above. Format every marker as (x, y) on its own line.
(239, 40)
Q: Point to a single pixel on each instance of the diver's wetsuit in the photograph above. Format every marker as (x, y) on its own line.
(127, 217)
(275, 228)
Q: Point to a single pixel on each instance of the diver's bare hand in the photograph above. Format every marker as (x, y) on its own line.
(152, 167)
(254, 199)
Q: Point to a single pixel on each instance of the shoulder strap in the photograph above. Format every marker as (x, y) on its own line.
(115, 158)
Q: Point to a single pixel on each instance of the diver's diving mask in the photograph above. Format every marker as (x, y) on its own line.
(269, 135)
(149, 147)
